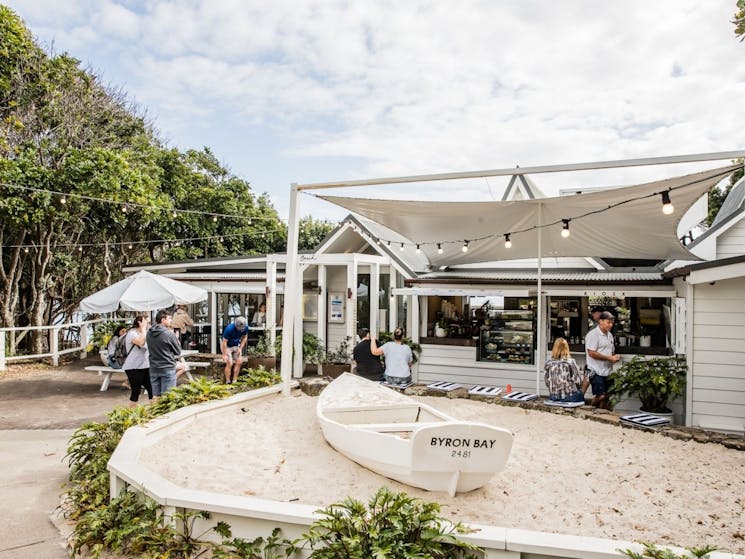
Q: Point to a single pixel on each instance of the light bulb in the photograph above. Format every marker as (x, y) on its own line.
(402, 247)
(214, 218)
(565, 228)
(667, 205)
(507, 242)
(418, 250)
(464, 248)
(63, 200)
(439, 248)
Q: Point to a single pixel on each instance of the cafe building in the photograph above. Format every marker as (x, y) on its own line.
(487, 315)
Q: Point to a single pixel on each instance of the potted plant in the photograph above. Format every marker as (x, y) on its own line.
(655, 381)
(441, 328)
(259, 355)
(313, 351)
(339, 361)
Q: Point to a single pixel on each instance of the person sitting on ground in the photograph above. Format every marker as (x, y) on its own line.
(398, 358)
(366, 364)
(562, 375)
(234, 339)
(119, 332)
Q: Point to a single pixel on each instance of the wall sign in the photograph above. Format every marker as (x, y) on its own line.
(336, 307)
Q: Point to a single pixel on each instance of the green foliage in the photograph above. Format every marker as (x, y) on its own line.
(261, 349)
(313, 351)
(717, 195)
(312, 232)
(739, 20)
(256, 378)
(342, 355)
(651, 551)
(416, 349)
(392, 526)
(103, 331)
(654, 381)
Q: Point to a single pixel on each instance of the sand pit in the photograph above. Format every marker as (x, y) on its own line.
(565, 475)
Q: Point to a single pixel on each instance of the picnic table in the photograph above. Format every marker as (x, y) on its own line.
(108, 372)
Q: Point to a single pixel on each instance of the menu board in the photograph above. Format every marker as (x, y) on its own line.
(336, 307)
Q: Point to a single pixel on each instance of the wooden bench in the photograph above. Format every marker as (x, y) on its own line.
(108, 371)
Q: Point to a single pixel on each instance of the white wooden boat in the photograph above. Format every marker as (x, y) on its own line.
(400, 438)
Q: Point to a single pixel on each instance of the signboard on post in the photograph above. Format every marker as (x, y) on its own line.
(336, 307)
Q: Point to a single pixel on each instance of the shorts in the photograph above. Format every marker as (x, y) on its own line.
(574, 397)
(234, 354)
(600, 385)
(398, 381)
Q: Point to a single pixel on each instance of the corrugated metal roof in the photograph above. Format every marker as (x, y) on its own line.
(528, 275)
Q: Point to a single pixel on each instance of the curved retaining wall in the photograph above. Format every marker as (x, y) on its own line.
(251, 517)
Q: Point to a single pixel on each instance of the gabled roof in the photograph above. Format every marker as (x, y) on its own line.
(522, 187)
(732, 208)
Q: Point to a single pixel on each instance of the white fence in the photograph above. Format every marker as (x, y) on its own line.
(71, 337)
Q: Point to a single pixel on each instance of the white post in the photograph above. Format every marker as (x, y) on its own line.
(539, 310)
(2, 350)
(321, 324)
(291, 279)
(298, 362)
(322, 273)
(213, 322)
(393, 314)
(690, 294)
(271, 304)
(54, 345)
(414, 335)
(83, 340)
(351, 296)
(374, 298)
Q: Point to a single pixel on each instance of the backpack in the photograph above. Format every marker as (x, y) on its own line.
(120, 353)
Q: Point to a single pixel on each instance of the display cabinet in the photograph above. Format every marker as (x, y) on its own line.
(508, 338)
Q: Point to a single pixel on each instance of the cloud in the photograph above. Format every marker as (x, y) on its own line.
(423, 86)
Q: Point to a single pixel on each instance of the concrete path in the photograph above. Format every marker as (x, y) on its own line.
(40, 407)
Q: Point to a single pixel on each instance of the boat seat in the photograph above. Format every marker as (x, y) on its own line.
(389, 427)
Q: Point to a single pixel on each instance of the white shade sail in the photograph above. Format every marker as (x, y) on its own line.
(622, 222)
(143, 291)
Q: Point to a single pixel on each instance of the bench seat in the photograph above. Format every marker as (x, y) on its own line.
(108, 371)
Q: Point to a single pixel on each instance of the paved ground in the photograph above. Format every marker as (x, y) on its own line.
(40, 407)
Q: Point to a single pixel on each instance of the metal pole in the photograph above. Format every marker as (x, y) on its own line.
(291, 279)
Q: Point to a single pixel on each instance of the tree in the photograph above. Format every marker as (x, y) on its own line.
(717, 195)
(739, 20)
(312, 232)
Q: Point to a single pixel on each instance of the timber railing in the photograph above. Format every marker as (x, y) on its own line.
(61, 339)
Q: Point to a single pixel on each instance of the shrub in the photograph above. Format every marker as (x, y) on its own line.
(654, 381)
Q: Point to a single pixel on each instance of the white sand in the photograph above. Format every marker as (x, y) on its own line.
(564, 475)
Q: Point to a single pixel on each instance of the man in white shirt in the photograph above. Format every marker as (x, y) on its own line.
(600, 358)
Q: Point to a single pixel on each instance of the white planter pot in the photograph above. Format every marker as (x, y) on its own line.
(440, 332)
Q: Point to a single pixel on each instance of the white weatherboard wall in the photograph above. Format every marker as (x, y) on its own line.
(458, 364)
(718, 398)
(336, 283)
(732, 241)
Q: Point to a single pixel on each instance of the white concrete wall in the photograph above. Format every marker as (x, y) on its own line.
(718, 368)
(732, 241)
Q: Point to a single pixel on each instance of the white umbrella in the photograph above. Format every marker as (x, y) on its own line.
(142, 291)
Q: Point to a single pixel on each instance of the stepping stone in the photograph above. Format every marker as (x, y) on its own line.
(645, 419)
(485, 391)
(444, 386)
(519, 397)
(564, 404)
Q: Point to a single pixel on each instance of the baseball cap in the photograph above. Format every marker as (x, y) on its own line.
(240, 322)
(605, 315)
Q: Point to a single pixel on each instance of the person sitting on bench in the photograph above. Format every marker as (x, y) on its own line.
(563, 378)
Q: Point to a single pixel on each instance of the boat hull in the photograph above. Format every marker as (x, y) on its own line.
(408, 441)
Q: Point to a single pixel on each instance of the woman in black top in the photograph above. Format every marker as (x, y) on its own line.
(366, 364)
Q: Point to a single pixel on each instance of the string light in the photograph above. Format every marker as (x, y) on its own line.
(402, 247)
(173, 215)
(129, 246)
(507, 242)
(439, 248)
(565, 228)
(124, 208)
(63, 200)
(667, 205)
(214, 218)
(464, 248)
(418, 249)
(25, 249)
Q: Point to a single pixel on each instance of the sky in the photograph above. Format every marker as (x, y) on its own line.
(290, 91)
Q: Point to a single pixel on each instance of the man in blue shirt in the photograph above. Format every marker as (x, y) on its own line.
(234, 339)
